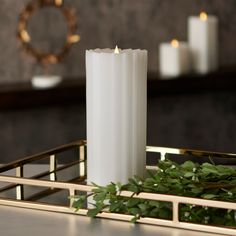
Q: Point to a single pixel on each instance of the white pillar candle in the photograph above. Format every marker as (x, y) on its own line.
(116, 114)
(203, 41)
(174, 58)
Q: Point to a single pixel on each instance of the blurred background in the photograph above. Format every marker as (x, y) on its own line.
(190, 112)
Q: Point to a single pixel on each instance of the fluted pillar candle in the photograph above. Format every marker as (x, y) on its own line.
(116, 84)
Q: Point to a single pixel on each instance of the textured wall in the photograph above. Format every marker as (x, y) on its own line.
(204, 121)
(104, 23)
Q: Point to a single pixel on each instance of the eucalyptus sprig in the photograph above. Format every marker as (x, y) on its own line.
(208, 181)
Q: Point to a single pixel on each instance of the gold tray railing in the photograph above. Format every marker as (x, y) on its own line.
(15, 182)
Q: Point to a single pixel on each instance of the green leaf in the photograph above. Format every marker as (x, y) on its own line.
(100, 196)
(116, 206)
(165, 213)
(93, 212)
(196, 190)
(189, 174)
(111, 188)
(143, 207)
(188, 165)
(134, 211)
(154, 203)
(162, 188)
(209, 196)
(134, 219)
(79, 203)
(209, 169)
(133, 202)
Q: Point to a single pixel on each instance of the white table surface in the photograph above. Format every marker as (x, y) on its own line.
(27, 222)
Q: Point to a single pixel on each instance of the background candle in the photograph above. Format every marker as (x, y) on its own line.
(45, 81)
(116, 114)
(174, 58)
(203, 41)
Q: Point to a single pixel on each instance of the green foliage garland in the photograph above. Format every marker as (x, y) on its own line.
(207, 181)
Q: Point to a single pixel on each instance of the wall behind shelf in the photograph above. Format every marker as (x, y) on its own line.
(205, 121)
(104, 23)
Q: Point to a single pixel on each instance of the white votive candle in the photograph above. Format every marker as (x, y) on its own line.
(116, 84)
(174, 58)
(45, 81)
(203, 41)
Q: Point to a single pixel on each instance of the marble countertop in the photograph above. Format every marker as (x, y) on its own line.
(22, 222)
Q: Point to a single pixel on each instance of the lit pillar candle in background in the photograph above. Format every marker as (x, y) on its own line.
(203, 41)
(174, 58)
(116, 114)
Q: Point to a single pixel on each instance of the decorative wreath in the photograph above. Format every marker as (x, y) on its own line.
(47, 57)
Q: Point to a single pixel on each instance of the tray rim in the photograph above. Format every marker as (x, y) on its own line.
(19, 181)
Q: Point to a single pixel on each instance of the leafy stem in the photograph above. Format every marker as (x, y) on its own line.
(208, 181)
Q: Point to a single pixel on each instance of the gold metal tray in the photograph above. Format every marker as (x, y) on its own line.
(41, 190)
